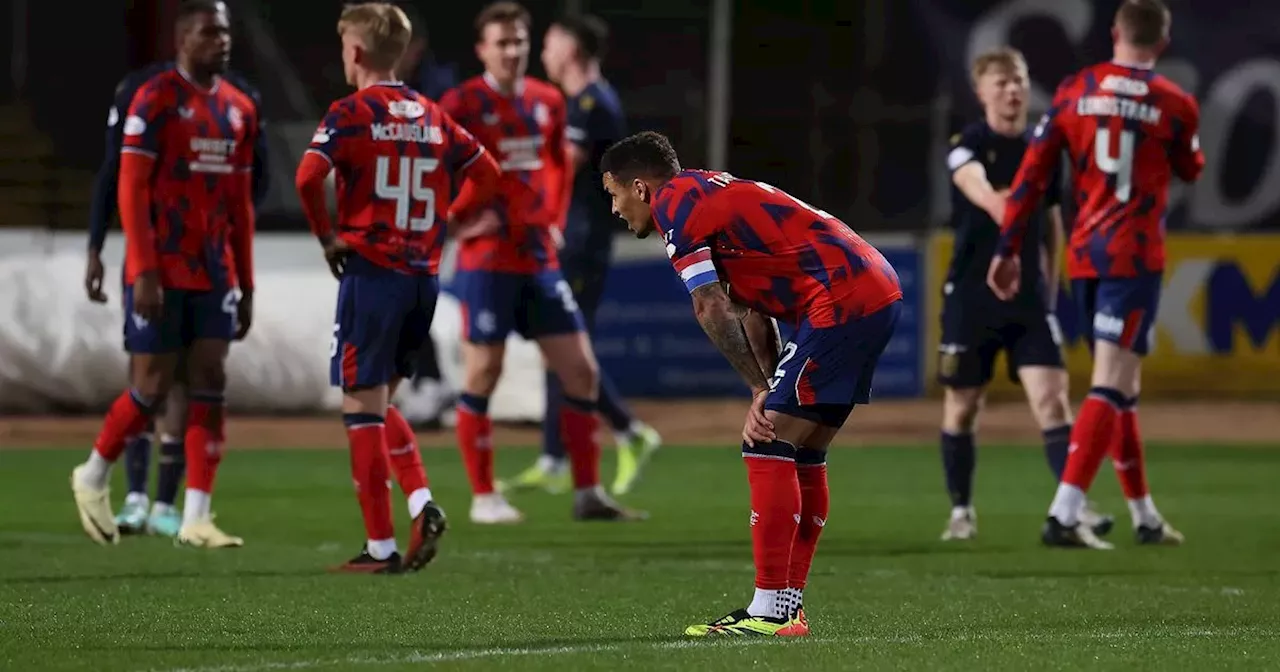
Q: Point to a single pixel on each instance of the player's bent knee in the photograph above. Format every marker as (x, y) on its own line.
(1116, 368)
(482, 366)
(153, 374)
(960, 409)
(579, 378)
(793, 429)
(365, 399)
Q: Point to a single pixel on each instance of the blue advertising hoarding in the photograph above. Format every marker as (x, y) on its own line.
(650, 344)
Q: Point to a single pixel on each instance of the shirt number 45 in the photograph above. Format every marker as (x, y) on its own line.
(408, 190)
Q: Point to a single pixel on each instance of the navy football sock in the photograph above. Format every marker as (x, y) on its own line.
(173, 462)
(612, 407)
(137, 459)
(959, 457)
(552, 444)
(1056, 443)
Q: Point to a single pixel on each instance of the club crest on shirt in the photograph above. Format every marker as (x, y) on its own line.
(235, 117)
(406, 109)
(541, 114)
(586, 102)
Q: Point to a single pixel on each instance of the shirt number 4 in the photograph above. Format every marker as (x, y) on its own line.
(408, 190)
(1121, 165)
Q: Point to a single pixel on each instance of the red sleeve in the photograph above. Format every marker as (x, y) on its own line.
(1187, 157)
(242, 210)
(560, 157)
(1039, 164)
(134, 197)
(312, 172)
(148, 112)
(242, 231)
(481, 185)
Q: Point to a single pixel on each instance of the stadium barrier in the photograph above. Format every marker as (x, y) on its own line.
(1217, 330)
(59, 352)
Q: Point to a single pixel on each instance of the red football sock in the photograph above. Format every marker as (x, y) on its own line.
(127, 417)
(1126, 453)
(367, 437)
(402, 449)
(578, 425)
(815, 504)
(475, 440)
(775, 506)
(205, 437)
(1092, 436)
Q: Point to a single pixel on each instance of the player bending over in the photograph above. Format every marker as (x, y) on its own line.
(170, 421)
(749, 252)
(398, 159)
(508, 275)
(187, 157)
(571, 53)
(1128, 132)
(976, 325)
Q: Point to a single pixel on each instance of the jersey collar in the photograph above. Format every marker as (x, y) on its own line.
(217, 80)
(492, 82)
(1135, 66)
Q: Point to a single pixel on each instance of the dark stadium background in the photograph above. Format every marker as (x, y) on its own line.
(841, 102)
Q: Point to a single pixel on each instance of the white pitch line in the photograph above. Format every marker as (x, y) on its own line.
(513, 652)
(472, 654)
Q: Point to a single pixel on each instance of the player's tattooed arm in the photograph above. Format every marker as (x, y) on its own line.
(720, 319)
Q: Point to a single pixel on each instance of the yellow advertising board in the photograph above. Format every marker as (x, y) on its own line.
(1217, 330)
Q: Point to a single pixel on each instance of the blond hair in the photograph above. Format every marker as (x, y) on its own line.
(383, 28)
(1002, 58)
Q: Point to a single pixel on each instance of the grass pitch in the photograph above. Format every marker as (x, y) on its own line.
(552, 594)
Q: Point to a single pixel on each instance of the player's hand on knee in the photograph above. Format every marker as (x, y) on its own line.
(148, 296)
(1003, 276)
(244, 315)
(93, 274)
(758, 429)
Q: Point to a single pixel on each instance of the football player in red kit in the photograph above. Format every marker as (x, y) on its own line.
(749, 254)
(185, 196)
(398, 159)
(1129, 131)
(508, 275)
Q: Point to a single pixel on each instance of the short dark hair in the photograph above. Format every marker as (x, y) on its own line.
(646, 154)
(502, 12)
(191, 8)
(1144, 23)
(415, 22)
(589, 31)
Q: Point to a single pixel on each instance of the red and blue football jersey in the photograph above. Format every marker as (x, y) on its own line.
(398, 158)
(526, 134)
(778, 255)
(1128, 132)
(202, 143)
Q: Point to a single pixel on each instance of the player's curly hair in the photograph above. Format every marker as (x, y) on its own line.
(646, 154)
